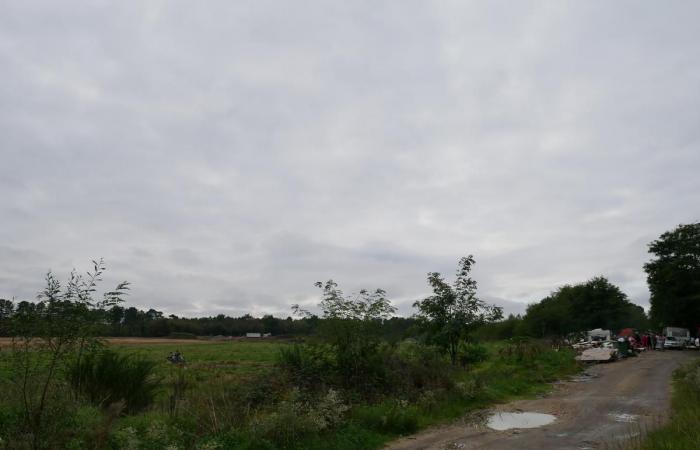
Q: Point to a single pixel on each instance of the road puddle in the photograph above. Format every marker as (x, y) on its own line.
(624, 418)
(506, 421)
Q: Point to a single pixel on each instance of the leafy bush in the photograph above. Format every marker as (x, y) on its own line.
(471, 388)
(413, 367)
(329, 411)
(394, 417)
(285, 426)
(107, 377)
(147, 431)
(308, 366)
(470, 353)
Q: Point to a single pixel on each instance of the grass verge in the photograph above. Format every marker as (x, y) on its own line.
(682, 432)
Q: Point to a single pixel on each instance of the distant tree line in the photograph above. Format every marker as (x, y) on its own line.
(673, 276)
(454, 310)
(122, 321)
(596, 303)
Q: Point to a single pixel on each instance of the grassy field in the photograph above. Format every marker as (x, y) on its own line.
(223, 380)
(207, 359)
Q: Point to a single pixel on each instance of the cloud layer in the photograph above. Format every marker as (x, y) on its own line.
(223, 156)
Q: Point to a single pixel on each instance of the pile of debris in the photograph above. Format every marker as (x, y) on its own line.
(598, 354)
(599, 346)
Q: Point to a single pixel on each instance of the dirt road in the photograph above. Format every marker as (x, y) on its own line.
(617, 401)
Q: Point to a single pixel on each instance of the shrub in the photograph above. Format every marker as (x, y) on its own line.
(148, 431)
(521, 349)
(329, 411)
(108, 377)
(413, 367)
(285, 426)
(394, 417)
(308, 366)
(471, 388)
(471, 353)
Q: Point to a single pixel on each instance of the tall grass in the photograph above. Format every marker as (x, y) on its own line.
(682, 432)
(108, 377)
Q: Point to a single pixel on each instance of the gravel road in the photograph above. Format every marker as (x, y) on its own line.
(617, 401)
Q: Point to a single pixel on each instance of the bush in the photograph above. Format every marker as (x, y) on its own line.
(471, 353)
(308, 366)
(521, 349)
(393, 417)
(147, 431)
(285, 426)
(107, 377)
(413, 367)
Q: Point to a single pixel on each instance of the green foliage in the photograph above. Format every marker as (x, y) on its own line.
(47, 336)
(674, 277)
(238, 409)
(521, 350)
(502, 329)
(469, 353)
(412, 367)
(309, 366)
(596, 303)
(109, 377)
(364, 306)
(392, 417)
(682, 431)
(453, 311)
(147, 432)
(351, 327)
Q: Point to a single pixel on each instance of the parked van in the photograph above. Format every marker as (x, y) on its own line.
(676, 337)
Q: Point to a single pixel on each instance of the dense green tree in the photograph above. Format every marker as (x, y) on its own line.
(596, 303)
(453, 311)
(674, 277)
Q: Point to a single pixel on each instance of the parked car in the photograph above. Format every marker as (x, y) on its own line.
(676, 337)
(674, 342)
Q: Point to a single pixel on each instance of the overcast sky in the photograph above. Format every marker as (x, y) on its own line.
(225, 155)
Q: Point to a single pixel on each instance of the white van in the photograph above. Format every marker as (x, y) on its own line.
(676, 337)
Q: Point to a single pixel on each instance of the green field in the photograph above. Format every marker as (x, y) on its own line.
(233, 395)
(228, 359)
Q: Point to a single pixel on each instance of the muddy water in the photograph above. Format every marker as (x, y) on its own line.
(506, 421)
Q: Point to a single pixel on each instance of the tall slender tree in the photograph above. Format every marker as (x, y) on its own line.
(453, 311)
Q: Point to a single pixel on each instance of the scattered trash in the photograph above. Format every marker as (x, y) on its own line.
(507, 421)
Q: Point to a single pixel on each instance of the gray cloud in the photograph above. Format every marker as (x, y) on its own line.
(225, 156)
